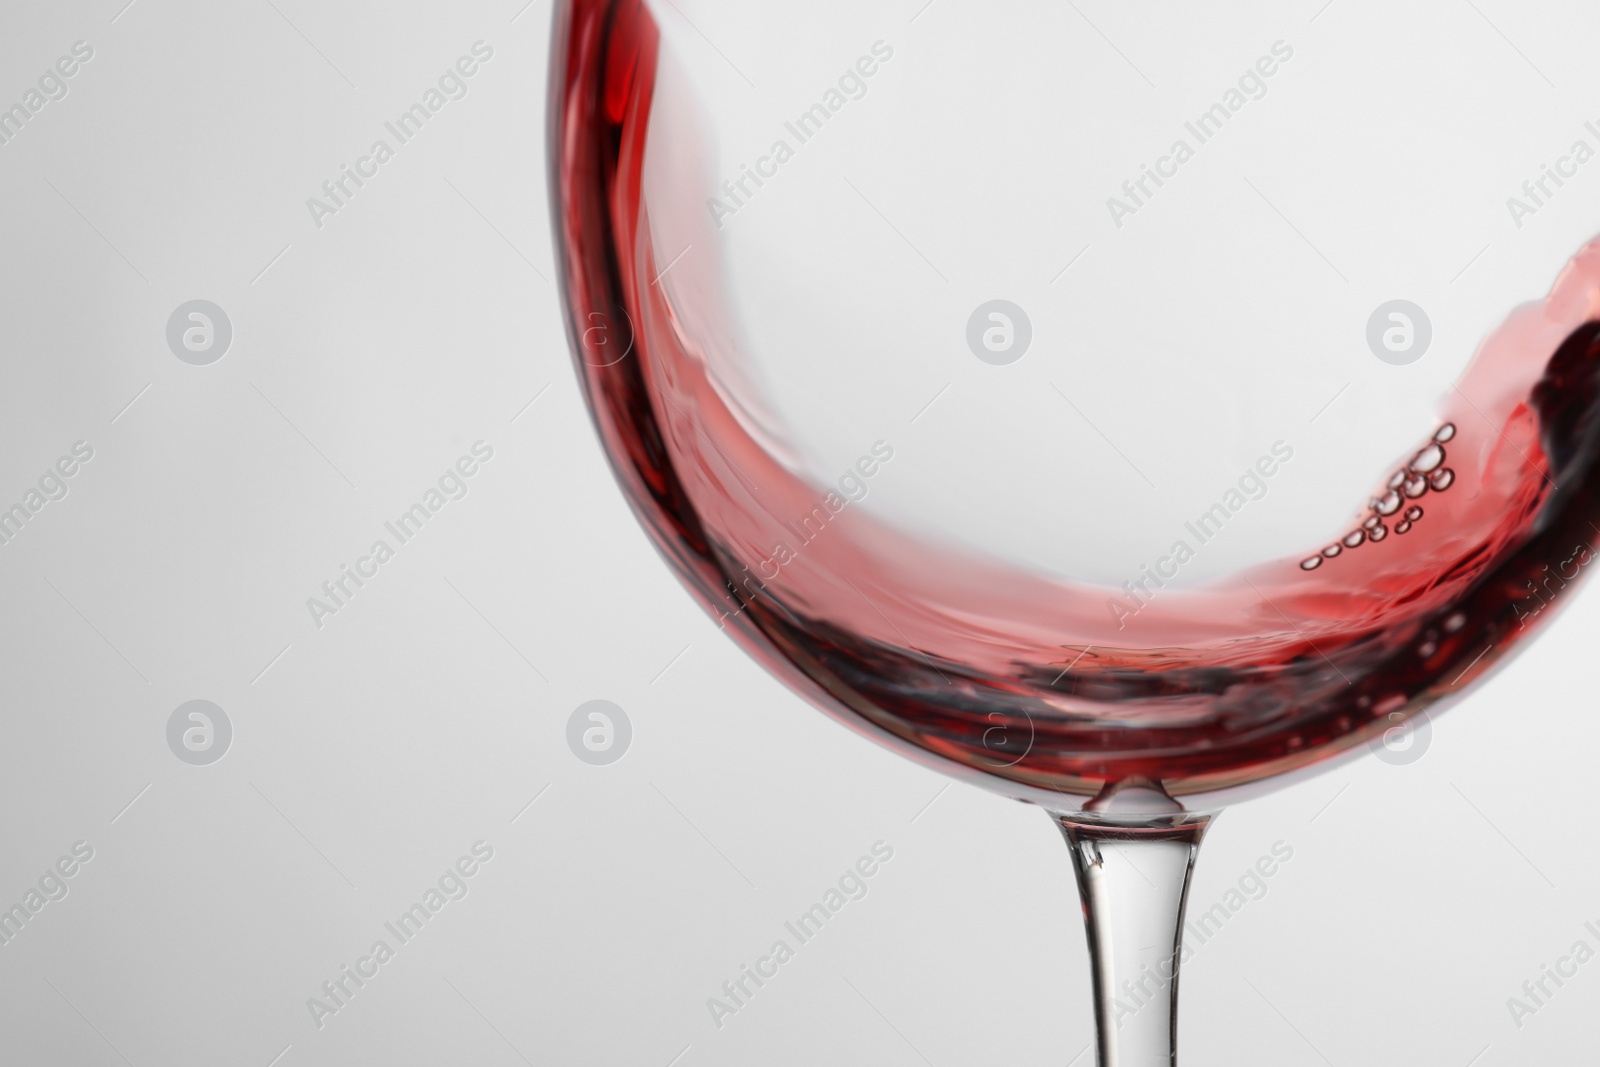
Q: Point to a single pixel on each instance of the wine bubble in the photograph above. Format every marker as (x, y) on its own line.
(1398, 480)
(1413, 513)
(1427, 459)
(1402, 527)
(1388, 505)
(1372, 523)
(1416, 486)
(1442, 479)
(1351, 540)
(1446, 432)
(1455, 622)
(1311, 564)
(1378, 533)
(1427, 648)
(1332, 550)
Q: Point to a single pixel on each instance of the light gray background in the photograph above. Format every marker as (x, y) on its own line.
(369, 754)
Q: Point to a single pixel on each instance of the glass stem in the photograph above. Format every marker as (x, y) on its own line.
(1133, 878)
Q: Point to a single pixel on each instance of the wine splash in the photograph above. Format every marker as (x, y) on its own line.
(1020, 678)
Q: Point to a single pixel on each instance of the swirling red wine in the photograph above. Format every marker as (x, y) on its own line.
(1041, 684)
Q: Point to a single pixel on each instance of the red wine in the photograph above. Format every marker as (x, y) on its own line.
(1041, 686)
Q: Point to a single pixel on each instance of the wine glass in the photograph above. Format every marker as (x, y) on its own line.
(1124, 450)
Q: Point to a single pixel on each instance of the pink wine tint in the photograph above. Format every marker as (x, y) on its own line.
(1020, 677)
